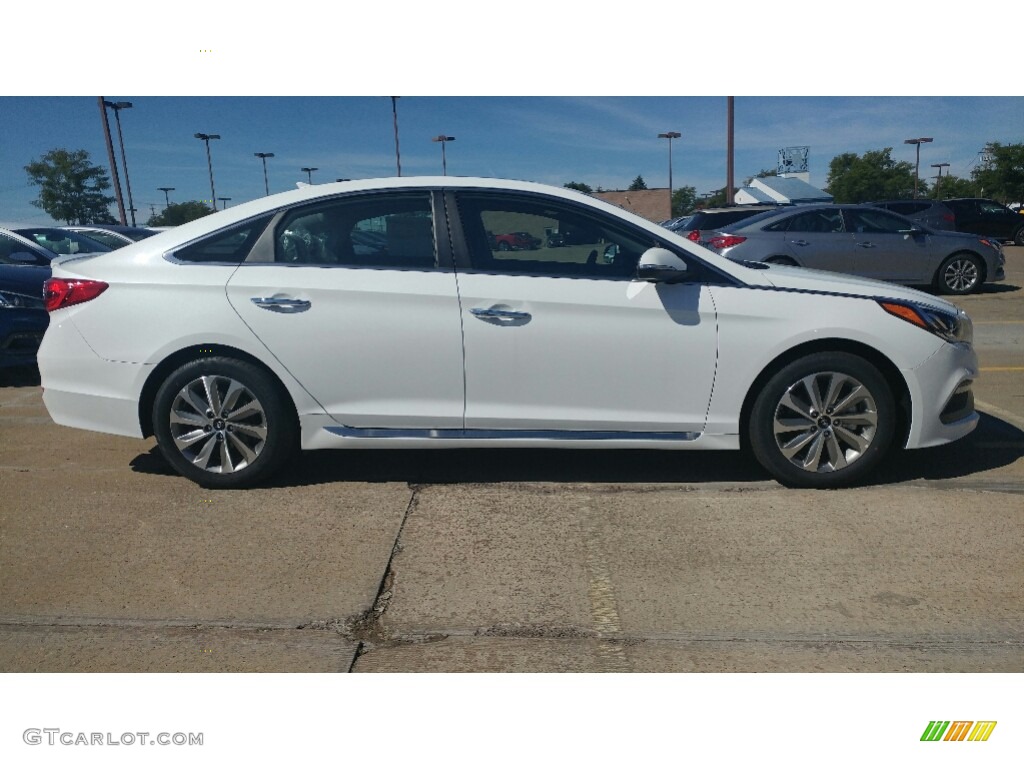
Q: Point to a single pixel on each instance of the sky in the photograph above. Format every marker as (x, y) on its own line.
(602, 141)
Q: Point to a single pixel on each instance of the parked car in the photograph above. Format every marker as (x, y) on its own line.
(865, 241)
(696, 224)
(235, 351)
(931, 213)
(113, 235)
(24, 267)
(987, 217)
(514, 241)
(61, 242)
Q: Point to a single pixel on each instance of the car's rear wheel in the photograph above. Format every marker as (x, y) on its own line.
(224, 423)
(504, 246)
(823, 421)
(1018, 239)
(959, 274)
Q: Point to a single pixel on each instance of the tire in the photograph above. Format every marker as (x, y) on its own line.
(960, 274)
(504, 246)
(255, 434)
(781, 260)
(804, 444)
(1018, 239)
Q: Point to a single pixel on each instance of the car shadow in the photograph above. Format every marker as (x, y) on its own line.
(20, 376)
(997, 288)
(994, 444)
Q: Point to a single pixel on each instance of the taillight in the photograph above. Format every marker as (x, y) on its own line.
(725, 241)
(948, 217)
(693, 234)
(59, 293)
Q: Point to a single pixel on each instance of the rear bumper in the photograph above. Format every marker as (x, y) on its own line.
(80, 389)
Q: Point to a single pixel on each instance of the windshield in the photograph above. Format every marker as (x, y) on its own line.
(62, 241)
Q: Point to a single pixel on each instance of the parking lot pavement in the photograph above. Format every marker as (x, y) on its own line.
(748, 578)
(519, 560)
(96, 535)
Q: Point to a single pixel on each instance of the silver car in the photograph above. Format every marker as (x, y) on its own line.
(866, 241)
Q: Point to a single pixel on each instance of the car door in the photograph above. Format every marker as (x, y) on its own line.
(998, 220)
(561, 340)
(356, 297)
(817, 239)
(889, 247)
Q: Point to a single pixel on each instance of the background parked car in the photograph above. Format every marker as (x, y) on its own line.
(61, 241)
(114, 235)
(24, 267)
(514, 241)
(930, 213)
(710, 219)
(866, 241)
(987, 217)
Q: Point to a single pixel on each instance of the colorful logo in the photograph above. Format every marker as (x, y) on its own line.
(958, 730)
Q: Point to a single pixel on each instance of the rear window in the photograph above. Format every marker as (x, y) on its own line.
(229, 246)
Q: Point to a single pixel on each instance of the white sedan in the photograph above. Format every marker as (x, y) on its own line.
(378, 314)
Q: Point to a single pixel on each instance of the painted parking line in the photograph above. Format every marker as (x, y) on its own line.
(1002, 368)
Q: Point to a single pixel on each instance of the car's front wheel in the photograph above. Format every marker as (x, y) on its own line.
(823, 421)
(1018, 239)
(224, 423)
(960, 274)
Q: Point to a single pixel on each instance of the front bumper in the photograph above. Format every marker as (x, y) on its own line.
(942, 400)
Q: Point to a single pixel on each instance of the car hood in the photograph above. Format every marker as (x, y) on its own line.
(801, 279)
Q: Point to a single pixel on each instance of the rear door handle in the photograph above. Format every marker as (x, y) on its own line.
(799, 242)
(501, 314)
(867, 245)
(288, 306)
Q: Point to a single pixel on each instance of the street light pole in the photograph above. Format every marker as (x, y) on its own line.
(309, 173)
(670, 135)
(442, 139)
(938, 183)
(394, 113)
(917, 165)
(206, 137)
(113, 162)
(117, 106)
(167, 196)
(263, 156)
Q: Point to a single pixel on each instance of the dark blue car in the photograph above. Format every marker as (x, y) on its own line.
(24, 267)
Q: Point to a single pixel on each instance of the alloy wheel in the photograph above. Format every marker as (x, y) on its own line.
(825, 422)
(218, 424)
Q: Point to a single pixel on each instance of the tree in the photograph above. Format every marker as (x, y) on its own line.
(638, 184)
(684, 200)
(954, 186)
(1002, 177)
(180, 213)
(874, 176)
(579, 186)
(70, 187)
(764, 173)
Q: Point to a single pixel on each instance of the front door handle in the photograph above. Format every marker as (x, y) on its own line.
(867, 245)
(799, 242)
(288, 306)
(500, 314)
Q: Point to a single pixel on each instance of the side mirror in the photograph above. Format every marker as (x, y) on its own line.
(658, 265)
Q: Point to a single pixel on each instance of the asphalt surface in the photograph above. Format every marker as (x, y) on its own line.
(518, 560)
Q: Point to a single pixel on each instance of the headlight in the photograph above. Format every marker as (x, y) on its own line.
(9, 300)
(946, 325)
